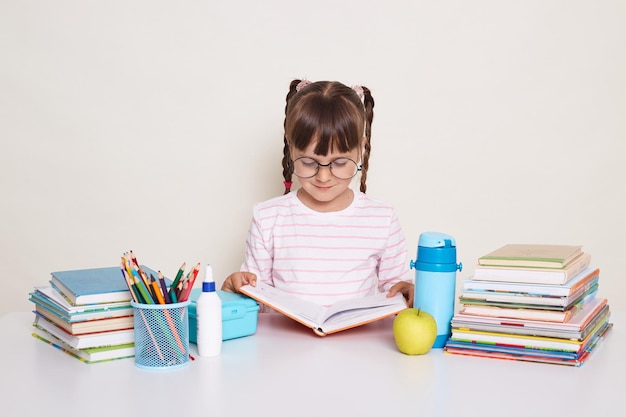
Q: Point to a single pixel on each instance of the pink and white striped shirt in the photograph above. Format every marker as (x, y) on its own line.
(326, 257)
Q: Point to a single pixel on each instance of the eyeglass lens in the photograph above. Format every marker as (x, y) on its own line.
(342, 168)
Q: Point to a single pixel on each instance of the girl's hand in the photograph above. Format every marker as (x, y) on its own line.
(237, 279)
(404, 287)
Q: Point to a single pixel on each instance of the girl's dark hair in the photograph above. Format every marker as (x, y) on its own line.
(330, 114)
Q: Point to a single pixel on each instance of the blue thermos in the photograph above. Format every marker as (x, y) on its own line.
(435, 280)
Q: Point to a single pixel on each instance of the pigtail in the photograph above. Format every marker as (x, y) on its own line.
(368, 103)
(287, 167)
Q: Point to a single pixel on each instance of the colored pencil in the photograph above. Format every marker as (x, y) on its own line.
(149, 330)
(179, 289)
(146, 280)
(181, 270)
(174, 332)
(164, 289)
(134, 292)
(128, 283)
(191, 281)
(142, 288)
(156, 290)
(133, 258)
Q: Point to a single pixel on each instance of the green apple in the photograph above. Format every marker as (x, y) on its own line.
(414, 331)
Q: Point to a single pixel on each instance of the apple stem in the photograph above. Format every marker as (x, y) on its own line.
(419, 310)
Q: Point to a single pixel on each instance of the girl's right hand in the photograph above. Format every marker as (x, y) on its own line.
(237, 279)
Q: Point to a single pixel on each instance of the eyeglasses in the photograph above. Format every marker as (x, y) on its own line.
(341, 168)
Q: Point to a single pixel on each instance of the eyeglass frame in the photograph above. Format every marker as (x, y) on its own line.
(329, 165)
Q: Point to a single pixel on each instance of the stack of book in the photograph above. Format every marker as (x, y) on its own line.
(86, 313)
(533, 303)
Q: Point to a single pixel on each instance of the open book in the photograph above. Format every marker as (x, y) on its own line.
(325, 320)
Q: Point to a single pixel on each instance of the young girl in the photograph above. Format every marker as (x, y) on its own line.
(325, 242)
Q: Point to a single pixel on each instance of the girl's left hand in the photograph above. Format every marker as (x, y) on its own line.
(404, 287)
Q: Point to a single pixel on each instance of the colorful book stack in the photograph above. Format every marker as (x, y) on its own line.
(86, 313)
(531, 302)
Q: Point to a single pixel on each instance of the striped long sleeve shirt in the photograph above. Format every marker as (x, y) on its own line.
(326, 257)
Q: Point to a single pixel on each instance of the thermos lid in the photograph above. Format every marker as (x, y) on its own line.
(436, 252)
(436, 240)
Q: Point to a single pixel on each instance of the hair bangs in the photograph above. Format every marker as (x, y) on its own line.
(333, 125)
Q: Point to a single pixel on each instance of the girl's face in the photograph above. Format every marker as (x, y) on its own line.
(324, 192)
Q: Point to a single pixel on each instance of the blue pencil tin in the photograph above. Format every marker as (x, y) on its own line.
(239, 315)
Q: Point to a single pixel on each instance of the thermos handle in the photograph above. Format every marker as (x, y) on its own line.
(413, 264)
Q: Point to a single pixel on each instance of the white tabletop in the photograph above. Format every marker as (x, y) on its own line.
(285, 370)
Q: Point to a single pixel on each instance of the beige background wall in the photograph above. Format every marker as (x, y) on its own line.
(155, 125)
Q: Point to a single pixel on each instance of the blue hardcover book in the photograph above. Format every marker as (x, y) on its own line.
(50, 299)
(92, 286)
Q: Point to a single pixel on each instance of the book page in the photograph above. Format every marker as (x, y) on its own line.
(340, 314)
(283, 301)
(354, 307)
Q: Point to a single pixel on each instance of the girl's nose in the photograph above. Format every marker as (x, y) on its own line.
(323, 173)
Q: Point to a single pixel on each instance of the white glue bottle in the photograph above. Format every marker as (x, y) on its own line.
(209, 318)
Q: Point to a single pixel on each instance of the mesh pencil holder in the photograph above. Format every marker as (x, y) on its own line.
(161, 335)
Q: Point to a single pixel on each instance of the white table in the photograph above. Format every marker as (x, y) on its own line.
(285, 370)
